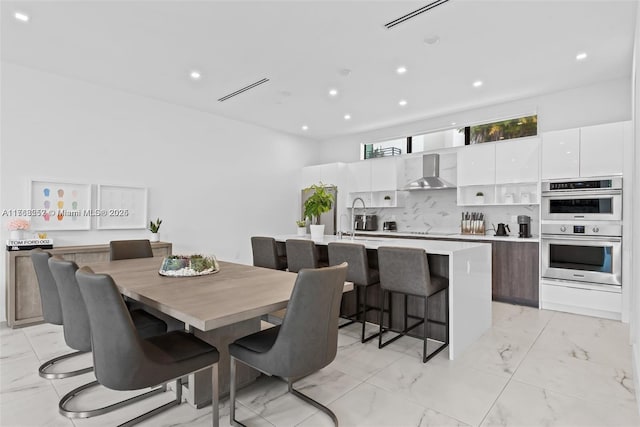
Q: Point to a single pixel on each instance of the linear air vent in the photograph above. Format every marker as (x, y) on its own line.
(244, 89)
(413, 14)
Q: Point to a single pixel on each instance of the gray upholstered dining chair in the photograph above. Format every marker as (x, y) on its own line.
(122, 360)
(51, 312)
(130, 249)
(406, 271)
(265, 253)
(355, 255)
(302, 254)
(77, 333)
(306, 341)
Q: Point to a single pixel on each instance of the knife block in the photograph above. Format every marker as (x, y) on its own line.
(468, 226)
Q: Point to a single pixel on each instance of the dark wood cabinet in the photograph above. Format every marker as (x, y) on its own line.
(515, 272)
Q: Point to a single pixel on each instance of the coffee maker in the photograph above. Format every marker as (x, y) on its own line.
(524, 223)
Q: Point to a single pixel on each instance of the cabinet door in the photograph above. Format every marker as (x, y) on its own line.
(515, 272)
(601, 149)
(360, 176)
(412, 169)
(561, 154)
(477, 165)
(517, 161)
(384, 174)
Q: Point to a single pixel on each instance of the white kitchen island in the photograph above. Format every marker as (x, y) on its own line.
(469, 282)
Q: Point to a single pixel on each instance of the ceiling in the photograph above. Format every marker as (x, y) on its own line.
(517, 48)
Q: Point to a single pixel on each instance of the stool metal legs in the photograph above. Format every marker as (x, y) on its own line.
(42, 370)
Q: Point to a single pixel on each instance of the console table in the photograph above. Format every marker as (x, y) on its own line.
(23, 295)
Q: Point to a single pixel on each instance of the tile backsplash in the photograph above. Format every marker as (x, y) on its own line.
(438, 211)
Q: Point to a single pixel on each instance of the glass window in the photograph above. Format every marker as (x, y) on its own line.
(506, 129)
(435, 140)
(393, 147)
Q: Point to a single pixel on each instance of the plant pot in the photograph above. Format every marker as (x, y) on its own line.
(155, 237)
(302, 231)
(317, 231)
(479, 200)
(17, 235)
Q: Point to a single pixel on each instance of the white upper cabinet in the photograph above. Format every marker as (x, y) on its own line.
(328, 174)
(561, 154)
(360, 176)
(601, 149)
(477, 164)
(384, 173)
(517, 161)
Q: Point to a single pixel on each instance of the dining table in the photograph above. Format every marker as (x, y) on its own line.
(218, 308)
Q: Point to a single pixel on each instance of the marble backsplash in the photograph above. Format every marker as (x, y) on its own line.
(438, 211)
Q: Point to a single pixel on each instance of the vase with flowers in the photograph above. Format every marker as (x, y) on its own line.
(17, 227)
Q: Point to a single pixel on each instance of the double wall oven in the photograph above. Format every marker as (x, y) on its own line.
(581, 232)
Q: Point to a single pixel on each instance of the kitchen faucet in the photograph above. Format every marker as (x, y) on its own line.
(364, 216)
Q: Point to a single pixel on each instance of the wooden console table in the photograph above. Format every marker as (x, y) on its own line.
(23, 295)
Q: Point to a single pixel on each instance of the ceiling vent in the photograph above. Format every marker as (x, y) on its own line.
(244, 89)
(413, 14)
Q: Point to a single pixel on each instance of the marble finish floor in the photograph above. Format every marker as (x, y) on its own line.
(532, 368)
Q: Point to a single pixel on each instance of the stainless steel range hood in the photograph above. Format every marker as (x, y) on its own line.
(430, 179)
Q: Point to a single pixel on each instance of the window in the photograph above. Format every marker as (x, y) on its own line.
(393, 147)
(506, 129)
(435, 140)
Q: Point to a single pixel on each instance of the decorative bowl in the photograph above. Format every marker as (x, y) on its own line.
(188, 265)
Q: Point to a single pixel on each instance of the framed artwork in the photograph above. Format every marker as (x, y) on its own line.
(60, 205)
(121, 207)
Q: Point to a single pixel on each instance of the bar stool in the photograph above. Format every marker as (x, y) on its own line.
(359, 273)
(406, 271)
(302, 254)
(265, 253)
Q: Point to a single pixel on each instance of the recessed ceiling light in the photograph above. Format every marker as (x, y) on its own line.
(344, 72)
(195, 75)
(432, 39)
(305, 127)
(402, 102)
(333, 92)
(21, 16)
(581, 56)
(347, 116)
(453, 123)
(401, 70)
(477, 83)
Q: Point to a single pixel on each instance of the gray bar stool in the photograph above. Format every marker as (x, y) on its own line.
(306, 342)
(123, 360)
(302, 254)
(130, 249)
(77, 333)
(51, 312)
(406, 271)
(265, 253)
(355, 255)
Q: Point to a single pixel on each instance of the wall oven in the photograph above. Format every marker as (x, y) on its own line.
(587, 253)
(595, 199)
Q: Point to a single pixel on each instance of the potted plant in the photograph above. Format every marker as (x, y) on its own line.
(154, 228)
(319, 203)
(479, 198)
(302, 227)
(387, 200)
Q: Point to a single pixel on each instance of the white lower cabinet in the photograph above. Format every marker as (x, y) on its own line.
(581, 299)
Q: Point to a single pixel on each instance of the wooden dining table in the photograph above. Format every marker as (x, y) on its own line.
(218, 308)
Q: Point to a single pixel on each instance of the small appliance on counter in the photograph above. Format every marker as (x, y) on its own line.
(390, 226)
(502, 229)
(366, 222)
(524, 223)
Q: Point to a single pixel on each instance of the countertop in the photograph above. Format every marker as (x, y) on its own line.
(437, 235)
(439, 247)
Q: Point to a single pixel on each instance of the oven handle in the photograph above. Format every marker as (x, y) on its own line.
(582, 238)
(581, 194)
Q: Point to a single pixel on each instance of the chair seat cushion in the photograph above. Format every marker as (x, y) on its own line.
(147, 324)
(178, 346)
(261, 341)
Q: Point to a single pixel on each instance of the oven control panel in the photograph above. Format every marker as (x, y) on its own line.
(582, 229)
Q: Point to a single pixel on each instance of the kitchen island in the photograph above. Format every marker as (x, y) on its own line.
(468, 267)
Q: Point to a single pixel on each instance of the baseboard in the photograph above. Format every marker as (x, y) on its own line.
(635, 354)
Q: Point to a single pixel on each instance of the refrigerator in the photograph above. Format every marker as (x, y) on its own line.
(327, 218)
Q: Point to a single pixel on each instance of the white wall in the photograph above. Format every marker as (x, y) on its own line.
(214, 181)
(601, 103)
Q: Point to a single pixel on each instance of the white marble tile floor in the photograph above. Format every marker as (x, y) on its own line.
(533, 367)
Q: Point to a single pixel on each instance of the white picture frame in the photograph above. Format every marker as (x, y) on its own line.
(121, 207)
(58, 205)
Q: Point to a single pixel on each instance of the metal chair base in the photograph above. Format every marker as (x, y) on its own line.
(362, 310)
(42, 370)
(232, 399)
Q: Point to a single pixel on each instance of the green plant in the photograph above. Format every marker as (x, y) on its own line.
(479, 194)
(319, 203)
(387, 197)
(155, 226)
(301, 223)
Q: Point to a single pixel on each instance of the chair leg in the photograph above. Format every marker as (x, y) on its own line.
(425, 334)
(215, 401)
(232, 394)
(353, 318)
(177, 401)
(313, 402)
(381, 317)
(426, 358)
(42, 370)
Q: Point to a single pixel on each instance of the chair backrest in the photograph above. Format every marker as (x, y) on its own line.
(50, 300)
(265, 252)
(117, 348)
(353, 254)
(301, 254)
(308, 338)
(404, 270)
(77, 333)
(130, 249)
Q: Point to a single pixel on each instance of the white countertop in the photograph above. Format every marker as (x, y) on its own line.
(439, 247)
(436, 235)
